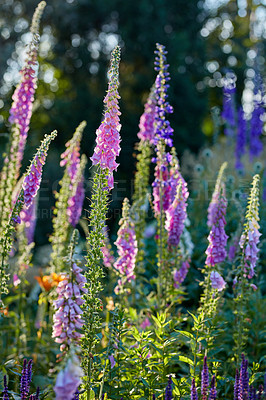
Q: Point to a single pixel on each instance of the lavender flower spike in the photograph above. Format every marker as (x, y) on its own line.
(212, 210)
(169, 389)
(175, 217)
(204, 380)
(194, 394)
(25, 379)
(163, 130)
(32, 180)
(5, 392)
(237, 386)
(213, 391)
(75, 202)
(108, 137)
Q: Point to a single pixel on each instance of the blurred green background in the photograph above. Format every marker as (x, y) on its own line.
(203, 39)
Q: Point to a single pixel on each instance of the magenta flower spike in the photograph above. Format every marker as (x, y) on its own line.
(127, 248)
(68, 316)
(32, 180)
(162, 178)
(179, 275)
(28, 217)
(68, 380)
(108, 138)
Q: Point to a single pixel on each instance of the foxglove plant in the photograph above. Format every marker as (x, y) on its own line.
(20, 114)
(175, 217)
(69, 199)
(105, 160)
(147, 120)
(30, 186)
(246, 268)
(68, 321)
(212, 209)
(127, 249)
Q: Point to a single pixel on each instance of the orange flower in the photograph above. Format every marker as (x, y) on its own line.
(47, 282)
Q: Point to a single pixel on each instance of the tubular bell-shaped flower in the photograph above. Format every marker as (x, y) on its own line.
(75, 202)
(68, 379)
(161, 183)
(175, 217)
(127, 248)
(212, 209)
(108, 137)
(250, 237)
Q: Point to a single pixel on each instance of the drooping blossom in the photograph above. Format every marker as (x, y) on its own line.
(25, 379)
(212, 209)
(179, 275)
(217, 281)
(5, 392)
(216, 251)
(213, 391)
(250, 237)
(194, 394)
(33, 176)
(108, 137)
(204, 380)
(68, 380)
(146, 123)
(68, 316)
(163, 129)
(169, 389)
(28, 217)
(241, 138)
(127, 248)
(228, 112)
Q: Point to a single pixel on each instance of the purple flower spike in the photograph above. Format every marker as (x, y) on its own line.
(241, 138)
(163, 129)
(204, 380)
(244, 378)
(108, 137)
(180, 275)
(75, 203)
(162, 178)
(228, 112)
(169, 389)
(146, 123)
(217, 281)
(175, 217)
(5, 392)
(216, 251)
(213, 391)
(25, 379)
(28, 216)
(194, 394)
(237, 386)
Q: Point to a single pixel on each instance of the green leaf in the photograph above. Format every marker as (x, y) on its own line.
(186, 360)
(187, 334)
